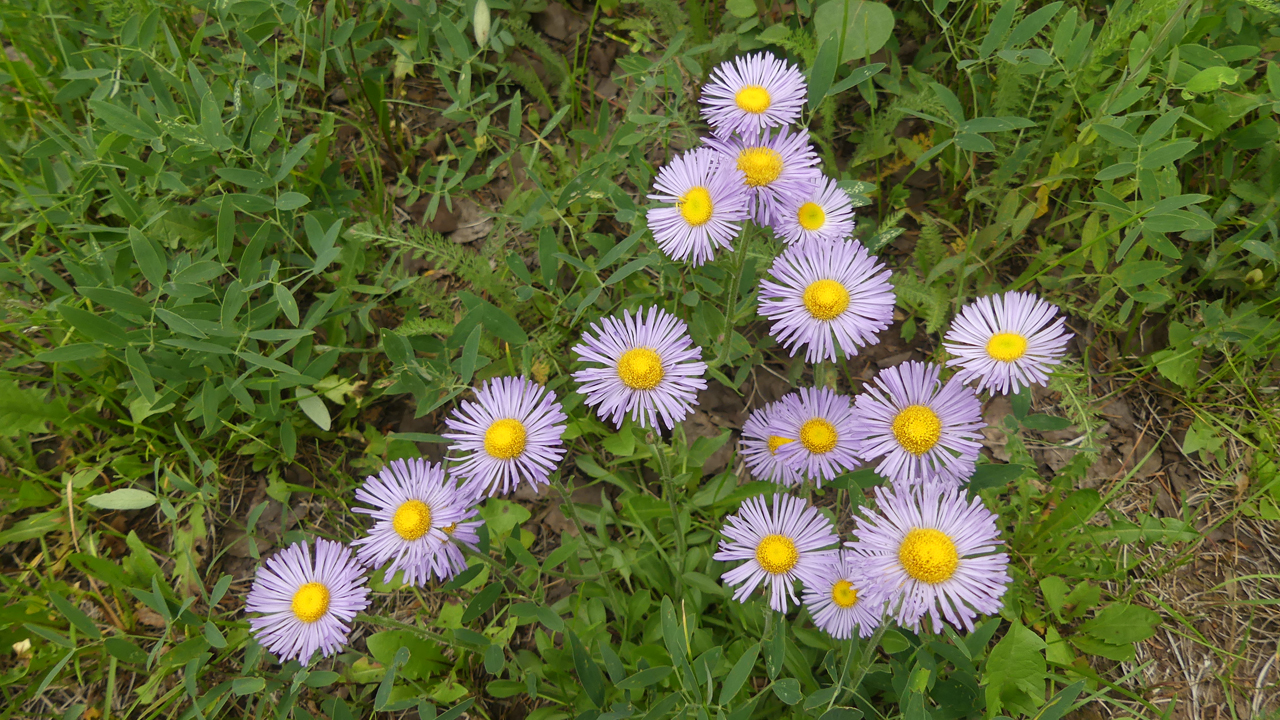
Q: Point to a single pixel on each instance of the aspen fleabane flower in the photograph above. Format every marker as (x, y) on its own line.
(779, 544)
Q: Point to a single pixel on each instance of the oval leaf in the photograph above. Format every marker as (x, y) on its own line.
(864, 26)
(124, 499)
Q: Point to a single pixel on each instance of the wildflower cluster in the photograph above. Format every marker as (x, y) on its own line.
(927, 552)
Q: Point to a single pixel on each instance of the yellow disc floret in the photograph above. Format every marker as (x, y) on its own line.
(844, 594)
(695, 206)
(928, 555)
(777, 554)
(811, 216)
(818, 436)
(826, 299)
(412, 519)
(505, 439)
(448, 529)
(761, 165)
(640, 369)
(775, 442)
(753, 99)
(917, 429)
(1006, 346)
(310, 602)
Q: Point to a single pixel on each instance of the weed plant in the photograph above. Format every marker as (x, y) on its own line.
(224, 301)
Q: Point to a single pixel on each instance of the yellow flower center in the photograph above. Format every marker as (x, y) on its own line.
(928, 555)
(448, 529)
(640, 369)
(917, 429)
(695, 206)
(812, 217)
(776, 442)
(1006, 346)
(753, 99)
(505, 439)
(777, 554)
(412, 519)
(761, 165)
(818, 436)
(311, 602)
(844, 594)
(825, 299)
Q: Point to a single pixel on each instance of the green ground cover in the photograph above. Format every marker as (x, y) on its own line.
(254, 249)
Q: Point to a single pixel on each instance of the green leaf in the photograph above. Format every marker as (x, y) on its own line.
(992, 475)
(481, 603)
(314, 408)
(1116, 136)
(285, 299)
(1177, 221)
(788, 691)
(741, 8)
(1166, 154)
(125, 651)
(1015, 669)
(120, 120)
(672, 633)
(1211, 79)
(546, 616)
(1117, 170)
(1140, 272)
(822, 72)
(75, 616)
(1000, 25)
(502, 516)
(382, 698)
(1033, 24)
(150, 257)
(470, 349)
(24, 410)
(93, 326)
(248, 685)
(141, 375)
(738, 675)
(123, 499)
(588, 671)
(1122, 623)
(645, 678)
(863, 27)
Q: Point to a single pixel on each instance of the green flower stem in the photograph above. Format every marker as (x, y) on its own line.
(669, 489)
(731, 299)
(615, 597)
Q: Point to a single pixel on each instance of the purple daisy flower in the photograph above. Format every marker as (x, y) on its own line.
(1007, 341)
(652, 369)
(825, 213)
(826, 429)
(512, 434)
(307, 606)
(829, 296)
(824, 425)
(776, 165)
(839, 600)
(922, 428)
(753, 93)
(934, 552)
(707, 206)
(413, 502)
(780, 545)
(761, 438)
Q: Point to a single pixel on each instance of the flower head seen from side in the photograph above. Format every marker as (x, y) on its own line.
(1007, 341)
(705, 206)
(825, 427)
(307, 606)
(510, 434)
(824, 213)
(921, 428)
(780, 544)
(776, 165)
(413, 501)
(651, 370)
(753, 93)
(827, 296)
(935, 553)
(841, 599)
(762, 437)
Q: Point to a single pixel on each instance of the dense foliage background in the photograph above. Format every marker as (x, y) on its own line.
(253, 249)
